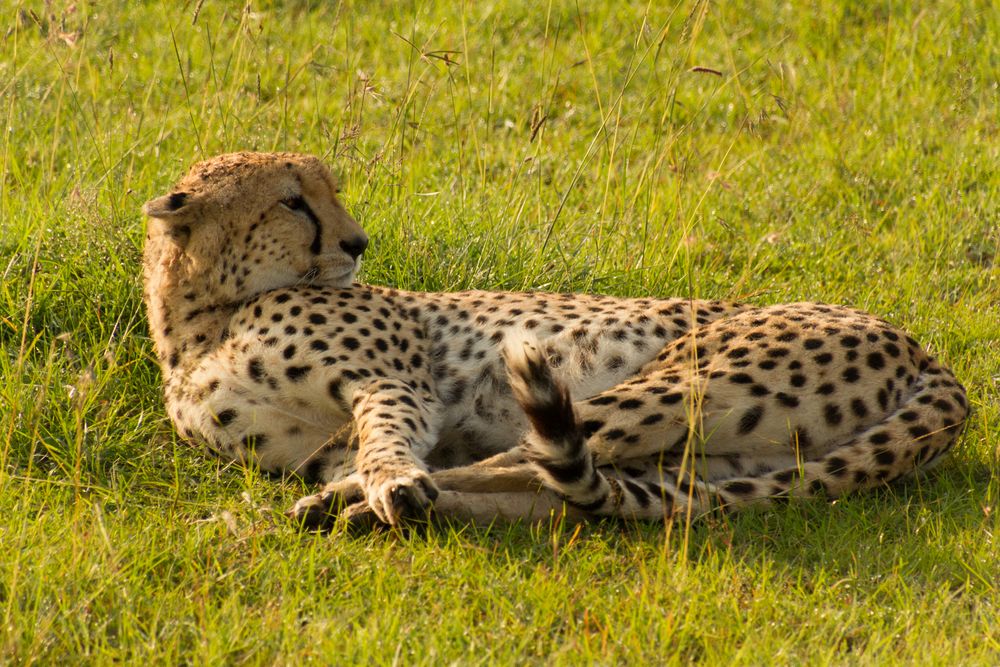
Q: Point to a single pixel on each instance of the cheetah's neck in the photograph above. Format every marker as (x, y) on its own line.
(187, 320)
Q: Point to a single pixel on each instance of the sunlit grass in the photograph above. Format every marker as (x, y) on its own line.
(844, 152)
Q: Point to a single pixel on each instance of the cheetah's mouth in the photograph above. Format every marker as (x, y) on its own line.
(337, 273)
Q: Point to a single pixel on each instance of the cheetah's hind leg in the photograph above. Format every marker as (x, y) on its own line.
(505, 489)
(911, 439)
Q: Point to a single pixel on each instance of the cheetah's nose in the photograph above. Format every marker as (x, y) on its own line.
(355, 246)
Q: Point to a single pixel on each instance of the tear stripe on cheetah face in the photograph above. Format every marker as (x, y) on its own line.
(267, 352)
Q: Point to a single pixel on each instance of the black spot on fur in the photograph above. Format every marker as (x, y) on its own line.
(603, 400)
(836, 466)
(630, 404)
(739, 487)
(254, 441)
(296, 373)
(333, 388)
(787, 399)
(592, 426)
(801, 439)
(640, 494)
(786, 476)
(876, 361)
(879, 438)
(883, 399)
(226, 417)
(884, 457)
(614, 363)
(850, 341)
(859, 408)
(750, 419)
(832, 414)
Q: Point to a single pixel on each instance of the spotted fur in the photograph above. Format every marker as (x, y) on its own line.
(502, 405)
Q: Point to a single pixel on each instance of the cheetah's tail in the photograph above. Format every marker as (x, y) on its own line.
(556, 446)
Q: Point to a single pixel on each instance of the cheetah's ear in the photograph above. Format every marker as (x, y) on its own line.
(171, 207)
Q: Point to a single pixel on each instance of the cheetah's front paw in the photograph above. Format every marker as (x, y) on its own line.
(397, 497)
(319, 511)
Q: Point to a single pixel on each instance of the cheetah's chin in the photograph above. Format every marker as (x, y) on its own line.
(335, 277)
(342, 278)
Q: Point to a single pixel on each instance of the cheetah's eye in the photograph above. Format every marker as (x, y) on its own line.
(294, 203)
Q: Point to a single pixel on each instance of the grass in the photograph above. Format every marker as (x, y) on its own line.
(846, 152)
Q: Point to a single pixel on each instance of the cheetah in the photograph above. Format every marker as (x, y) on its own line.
(487, 406)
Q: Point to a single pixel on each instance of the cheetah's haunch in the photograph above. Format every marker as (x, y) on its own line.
(499, 405)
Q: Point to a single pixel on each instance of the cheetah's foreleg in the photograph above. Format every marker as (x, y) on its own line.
(396, 429)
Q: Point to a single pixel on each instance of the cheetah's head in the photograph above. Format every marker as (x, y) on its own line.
(245, 223)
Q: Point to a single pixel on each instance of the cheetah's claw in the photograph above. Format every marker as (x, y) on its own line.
(402, 498)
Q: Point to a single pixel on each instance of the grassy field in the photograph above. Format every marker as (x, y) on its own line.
(844, 152)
